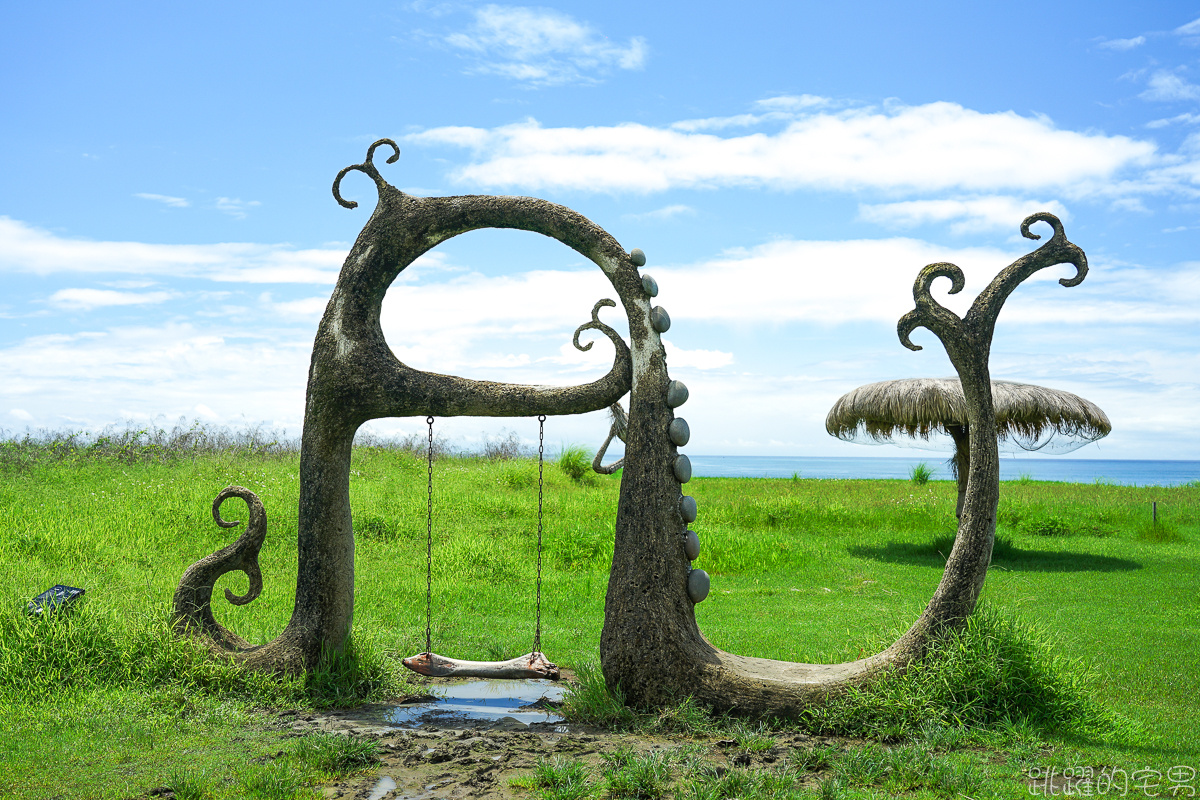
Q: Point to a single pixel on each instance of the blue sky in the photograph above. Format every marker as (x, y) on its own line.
(168, 238)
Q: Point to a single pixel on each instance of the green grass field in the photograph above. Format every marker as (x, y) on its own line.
(105, 702)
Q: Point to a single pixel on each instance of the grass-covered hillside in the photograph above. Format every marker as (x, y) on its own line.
(105, 701)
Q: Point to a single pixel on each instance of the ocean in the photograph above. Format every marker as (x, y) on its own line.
(1067, 470)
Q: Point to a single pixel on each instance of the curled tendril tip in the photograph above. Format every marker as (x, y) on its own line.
(942, 269)
(392, 159)
(596, 324)
(368, 169)
(904, 328)
(1042, 216)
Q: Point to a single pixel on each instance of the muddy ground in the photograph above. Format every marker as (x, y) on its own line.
(481, 759)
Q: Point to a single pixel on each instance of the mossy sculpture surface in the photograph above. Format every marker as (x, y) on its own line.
(650, 647)
(354, 377)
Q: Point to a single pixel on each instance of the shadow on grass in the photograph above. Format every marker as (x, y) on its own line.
(1004, 554)
(1153, 751)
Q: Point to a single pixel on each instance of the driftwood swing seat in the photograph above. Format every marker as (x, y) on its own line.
(533, 664)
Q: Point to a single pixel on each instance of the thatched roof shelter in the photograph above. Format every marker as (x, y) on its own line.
(1029, 417)
(1032, 417)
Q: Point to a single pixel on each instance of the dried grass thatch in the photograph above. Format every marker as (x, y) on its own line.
(620, 423)
(1032, 417)
(620, 420)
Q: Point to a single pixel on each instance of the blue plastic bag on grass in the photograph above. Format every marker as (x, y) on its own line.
(52, 599)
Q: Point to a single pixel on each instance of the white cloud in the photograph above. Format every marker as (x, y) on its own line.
(720, 123)
(679, 358)
(21, 414)
(966, 215)
(1186, 118)
(204, 412)
(88, 299)
(1116, 296)
(1123, 44)
(827, 282)
(854, 281)
(1190, 29)
(567, 360)
(1165, 86)
(235, 206)
(173, 202)
(793, 103)
(159, 370)
(309, 309)
(664, 213)
(1130, 204)
(453, 320)
(1113, 312)
(934, 147)
(24, 248)
(460, 323)
(434, 8)
(813, 296)
(542, 47)
(1146, 392)
(783, 107)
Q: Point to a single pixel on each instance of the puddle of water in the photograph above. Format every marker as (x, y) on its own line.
(474, 702)
(384, 786)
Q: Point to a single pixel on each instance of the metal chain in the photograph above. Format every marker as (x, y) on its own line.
(429, 546)
(537, 631)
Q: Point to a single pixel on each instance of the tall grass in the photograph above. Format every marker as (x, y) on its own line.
(576, 462)
(92, 647)
(803, 570)
(132, 444)
(997, 670)
(920, 474)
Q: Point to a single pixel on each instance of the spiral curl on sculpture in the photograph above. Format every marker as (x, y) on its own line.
(933, 315)
(193, 597)
(367, 168)
(597, 325)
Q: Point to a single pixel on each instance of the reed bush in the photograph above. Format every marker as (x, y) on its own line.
(997, 668)
(920, 474)
(576, 462)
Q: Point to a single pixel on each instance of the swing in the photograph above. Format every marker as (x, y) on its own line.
(532, 665)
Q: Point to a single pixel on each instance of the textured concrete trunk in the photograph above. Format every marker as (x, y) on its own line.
(354, 377)
(961, 461)
(651, 647)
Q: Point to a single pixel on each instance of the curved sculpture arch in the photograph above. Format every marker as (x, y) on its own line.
(650, 647)
(354, 377)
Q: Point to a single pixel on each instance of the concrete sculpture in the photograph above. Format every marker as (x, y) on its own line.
(651, 646)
